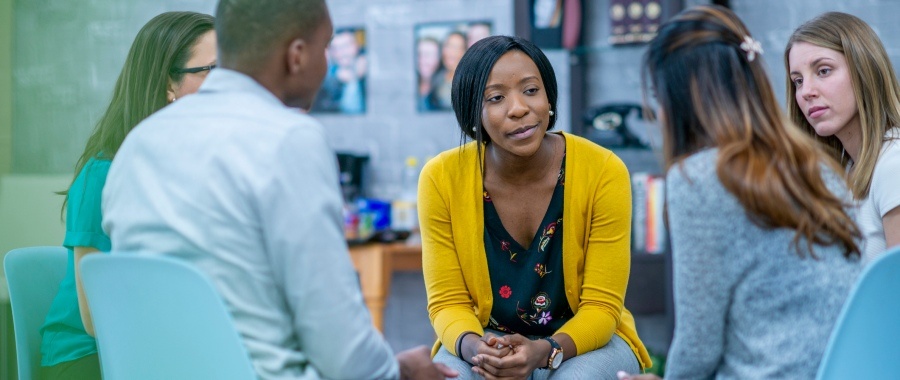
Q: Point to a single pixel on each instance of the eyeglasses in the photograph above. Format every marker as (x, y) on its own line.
(192, 70)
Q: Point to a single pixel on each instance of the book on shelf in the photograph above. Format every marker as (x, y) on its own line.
(648, 230)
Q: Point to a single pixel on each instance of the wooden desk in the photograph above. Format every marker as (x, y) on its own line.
(376, 262)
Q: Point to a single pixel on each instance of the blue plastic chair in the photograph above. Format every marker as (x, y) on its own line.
(33, 275)
(160, 318)
(865, 341)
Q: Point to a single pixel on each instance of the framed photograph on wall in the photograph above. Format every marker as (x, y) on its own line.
(637, 21)
(439, 47)
(546, 23)
(344, 88)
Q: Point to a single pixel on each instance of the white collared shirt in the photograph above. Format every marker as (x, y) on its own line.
(246, 189)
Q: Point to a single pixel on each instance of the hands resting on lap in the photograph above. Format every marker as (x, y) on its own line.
(416, 364)
(508, 357)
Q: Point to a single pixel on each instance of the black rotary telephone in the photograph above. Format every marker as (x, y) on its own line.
(608, 125)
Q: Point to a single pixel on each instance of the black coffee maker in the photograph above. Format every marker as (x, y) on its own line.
(352, 175)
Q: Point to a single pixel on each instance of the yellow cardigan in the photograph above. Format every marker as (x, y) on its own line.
(596, 246)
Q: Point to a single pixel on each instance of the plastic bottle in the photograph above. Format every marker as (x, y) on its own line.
(404, 216)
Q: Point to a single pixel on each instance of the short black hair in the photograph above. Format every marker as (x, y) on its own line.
(248, 29)
(472, 74)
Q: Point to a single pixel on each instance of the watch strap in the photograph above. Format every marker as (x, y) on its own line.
(555, 349)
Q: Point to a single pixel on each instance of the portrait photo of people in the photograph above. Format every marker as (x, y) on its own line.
(344, 87)
(547, 13)
(439, 47)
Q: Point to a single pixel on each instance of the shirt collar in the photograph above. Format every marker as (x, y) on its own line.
(227, 80)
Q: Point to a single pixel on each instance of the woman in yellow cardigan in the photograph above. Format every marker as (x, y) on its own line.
(504, 300)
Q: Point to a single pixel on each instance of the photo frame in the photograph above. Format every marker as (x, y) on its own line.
(438, 47)
(637, 21)
(344, 87)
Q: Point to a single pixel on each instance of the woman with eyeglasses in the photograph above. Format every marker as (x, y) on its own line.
(169, 59)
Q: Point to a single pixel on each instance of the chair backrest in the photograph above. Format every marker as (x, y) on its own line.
(30, 211)
(864, 342)
(160, 318)
(33, 275)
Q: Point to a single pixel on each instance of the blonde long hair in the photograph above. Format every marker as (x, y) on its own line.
(712, 95)
(874, 86)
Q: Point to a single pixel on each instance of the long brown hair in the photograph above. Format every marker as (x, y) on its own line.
(164, 44)
(713, 95)
(874, 86)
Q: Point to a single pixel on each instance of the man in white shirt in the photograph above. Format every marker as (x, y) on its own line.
(243, 186)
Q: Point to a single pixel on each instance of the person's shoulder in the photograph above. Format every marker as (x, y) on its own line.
(583, 146)
(696, 171)
(586, 157)
(99, 162)
(890, 151)
(89, 183)
(891, 146)
(95, 169)
(584, 150)
(299, 132)
(465, 155)
(884, 177)
(455, 167)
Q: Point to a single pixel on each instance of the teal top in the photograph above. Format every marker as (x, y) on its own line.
(62, 336)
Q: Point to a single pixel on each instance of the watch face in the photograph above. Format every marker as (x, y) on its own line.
(557, 360)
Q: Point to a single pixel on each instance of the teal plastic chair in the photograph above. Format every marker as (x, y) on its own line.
(865, 341)
(33, 275)
(160, 318)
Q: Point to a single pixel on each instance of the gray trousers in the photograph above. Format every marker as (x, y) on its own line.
(602, 363)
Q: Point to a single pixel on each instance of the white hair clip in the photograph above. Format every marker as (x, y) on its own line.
(752, 47)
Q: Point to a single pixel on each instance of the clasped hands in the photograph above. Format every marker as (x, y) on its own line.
(507, 357)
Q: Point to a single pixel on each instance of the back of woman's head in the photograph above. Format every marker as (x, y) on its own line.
(471, 76)
(163, 45)
(709, 80)
(710, 89)
(872, 78)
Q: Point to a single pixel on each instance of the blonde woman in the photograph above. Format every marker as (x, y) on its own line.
(843, 90)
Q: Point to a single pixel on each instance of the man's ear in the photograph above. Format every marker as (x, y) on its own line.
(296, 56)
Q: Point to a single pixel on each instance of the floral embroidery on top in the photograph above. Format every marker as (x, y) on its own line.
(561, 178)
(505, 291)
(548, 234)
(539, 303)
(545, 318)
(541, 269)
(493, 324)
(505, 246)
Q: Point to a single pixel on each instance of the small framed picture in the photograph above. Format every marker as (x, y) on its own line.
(439, 47)
(344, 88)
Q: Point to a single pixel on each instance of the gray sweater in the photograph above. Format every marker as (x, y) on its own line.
(746, 305)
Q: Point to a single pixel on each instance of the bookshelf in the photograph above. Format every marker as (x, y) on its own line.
(649, 294)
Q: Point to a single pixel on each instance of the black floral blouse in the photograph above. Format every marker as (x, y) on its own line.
(529, 293)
